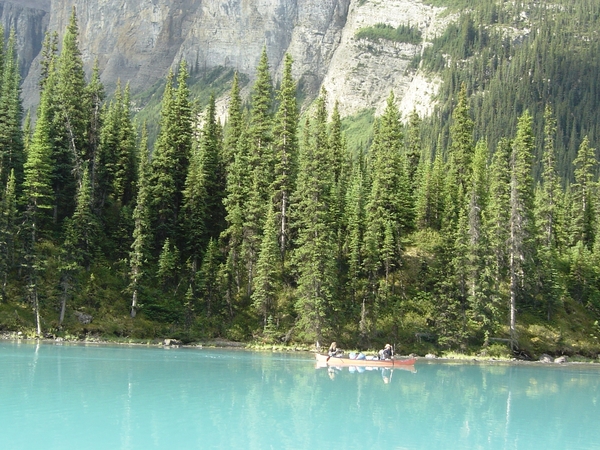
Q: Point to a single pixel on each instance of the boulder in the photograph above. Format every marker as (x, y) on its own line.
(546, 358)
(83, 317)
(561, 359)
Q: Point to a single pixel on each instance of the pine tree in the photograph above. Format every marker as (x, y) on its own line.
(413, 145)
(195, 210)
(522, 255)
(214, 173)
(49, 54)
(209, 280)
(11, 115)
(548, 203)
(268, 271)
(170, 158)
(479, 294)
(94, 99)
(38, 200)
(141, 231)
(549, 198)
(389, 203)
(234, 235)
(168, 264)
(355, 201)
(235, 123)
(72, 115)
(497, 214)
(460, 157)
(314, 255)
(583, 207)
(83, 230)
(286, 152)
(8, 232)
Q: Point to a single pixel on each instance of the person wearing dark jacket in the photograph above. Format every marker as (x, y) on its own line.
(387, 352)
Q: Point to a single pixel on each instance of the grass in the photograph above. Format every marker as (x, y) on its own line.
(358, 130)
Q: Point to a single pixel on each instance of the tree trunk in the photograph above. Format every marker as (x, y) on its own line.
(63, 303)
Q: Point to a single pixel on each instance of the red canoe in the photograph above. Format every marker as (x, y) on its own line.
(337, 362)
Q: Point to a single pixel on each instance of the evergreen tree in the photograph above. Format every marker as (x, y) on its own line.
(479, 293)
(82, 230)
(70, 94)
(8, 232)
(38, 200)
(168, 264)
(389, 203)
(413, 145)
(141, 230)
(214, 173)
(49, 54)
(286, 152)
(460, 157)
(549, 198)
(315, 249)
(94, 98)
(195, 211)
(11, 114)
(234, 235)
(268, 271)
(235, 123)
(522, 254)
(497, 214)
(170, 158)
(209, 280)
(355, 200)
(583, 207)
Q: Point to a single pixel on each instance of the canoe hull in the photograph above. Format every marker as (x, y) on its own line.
(341, 362)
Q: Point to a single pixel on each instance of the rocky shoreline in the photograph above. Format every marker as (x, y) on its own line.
(544, 359)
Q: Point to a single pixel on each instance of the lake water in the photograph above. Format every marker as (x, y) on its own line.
(118, 397)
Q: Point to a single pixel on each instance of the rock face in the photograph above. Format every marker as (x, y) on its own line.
(137, 41)
(29, 19)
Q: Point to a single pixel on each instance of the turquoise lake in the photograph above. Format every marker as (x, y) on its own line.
(120, 397)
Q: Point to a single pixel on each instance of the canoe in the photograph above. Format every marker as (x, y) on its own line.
(340, 362)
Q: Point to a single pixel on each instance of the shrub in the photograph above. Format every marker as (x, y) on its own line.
(381, 31)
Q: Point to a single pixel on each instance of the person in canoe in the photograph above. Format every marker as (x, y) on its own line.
(334, 350)
(387, 352)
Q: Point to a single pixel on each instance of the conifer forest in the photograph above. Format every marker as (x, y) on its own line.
(474, 230)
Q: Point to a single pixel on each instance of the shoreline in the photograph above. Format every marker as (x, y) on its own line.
(226, 344)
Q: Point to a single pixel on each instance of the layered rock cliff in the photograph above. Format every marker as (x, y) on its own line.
(139, 40)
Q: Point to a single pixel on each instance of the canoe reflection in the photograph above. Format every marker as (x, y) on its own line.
(386, 373)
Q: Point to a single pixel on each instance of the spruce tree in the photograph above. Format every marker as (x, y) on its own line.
(413, 145)
(214, 173)
(70, 93)
(522, 254)
(83, 229)
(314, 257)
(389, 203)
(460, 157)
(268, 271)
(8, 232)
(582, 225)
(141, 230)
(234, 234)
(38, 200)
(285, 152)
(170, 158)
(11, 115)
(235, 123)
